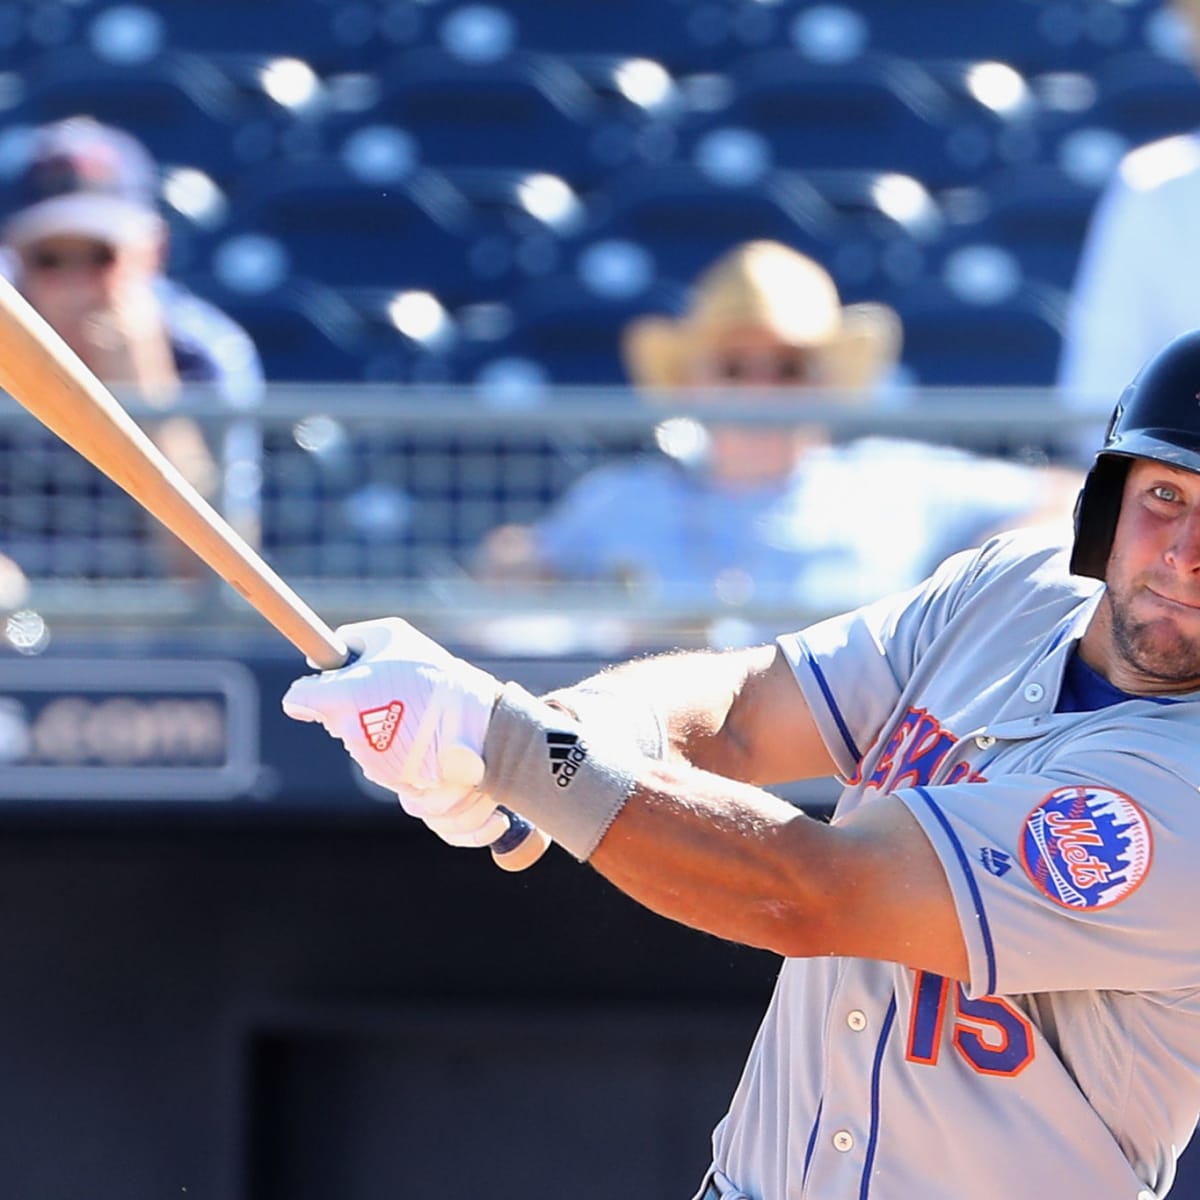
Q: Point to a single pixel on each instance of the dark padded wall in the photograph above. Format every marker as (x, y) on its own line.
(199, 1004)
(300, 994)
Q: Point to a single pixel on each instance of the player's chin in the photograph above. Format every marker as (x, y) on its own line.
(1166, 649)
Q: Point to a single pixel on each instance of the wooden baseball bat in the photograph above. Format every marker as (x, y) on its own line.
(46, 377)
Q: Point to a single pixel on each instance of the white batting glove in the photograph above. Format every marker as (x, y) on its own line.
(399, 708)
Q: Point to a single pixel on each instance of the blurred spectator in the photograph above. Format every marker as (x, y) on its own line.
(87, 247)
(1133, 291)
(14, 587)
(773, 514)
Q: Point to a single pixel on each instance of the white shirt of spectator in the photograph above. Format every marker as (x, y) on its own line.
(1134, 290)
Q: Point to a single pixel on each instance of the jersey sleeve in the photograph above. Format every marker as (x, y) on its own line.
(1080, 877)
(852, 668)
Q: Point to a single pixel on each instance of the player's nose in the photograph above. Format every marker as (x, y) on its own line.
(1184, 551)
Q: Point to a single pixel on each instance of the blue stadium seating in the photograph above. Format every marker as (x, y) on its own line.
(1037, 212)
(657, 31)
(685, 220)
(303, 331)
(562, 326)
(884, 225)
(523, 111)
(180, 105)
(1012, 342)
(830, 97)
(1029, 34)
(251, 26)
(339, 230)
(1146, 96)
(520, 224)
(874, 112)
(998, 115)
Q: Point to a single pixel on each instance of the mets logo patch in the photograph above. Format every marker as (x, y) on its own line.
(380, 724)
(1086, 847)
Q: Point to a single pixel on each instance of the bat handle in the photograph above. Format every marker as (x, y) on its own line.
(522, 844)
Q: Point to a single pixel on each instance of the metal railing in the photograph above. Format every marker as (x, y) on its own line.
(373, 499)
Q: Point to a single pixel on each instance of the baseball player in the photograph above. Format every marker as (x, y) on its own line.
(991, 977)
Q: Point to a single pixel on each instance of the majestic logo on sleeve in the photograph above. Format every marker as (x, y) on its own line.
(380, 724)
(995, 861)
(1086, 847)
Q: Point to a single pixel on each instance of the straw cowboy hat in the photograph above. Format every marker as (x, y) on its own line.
(766, 285)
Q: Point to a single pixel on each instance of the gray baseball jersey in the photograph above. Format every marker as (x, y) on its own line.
(1070, 1060)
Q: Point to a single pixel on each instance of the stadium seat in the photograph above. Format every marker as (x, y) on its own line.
(409, 335)
(527, 112)
(567, 332)
(339, 230)
(874, 112)
(636, 106)
(948, 341)
(657, 31)
(883, 225)
(1146, 97)
(180, 105)
(303, 332)
(941, 28)
(1037, 212)
(686, 220)
(283, 101)
(999, 114)
(251, 26)
(520, 222)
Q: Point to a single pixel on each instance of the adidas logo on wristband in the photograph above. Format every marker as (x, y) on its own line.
(567, 752)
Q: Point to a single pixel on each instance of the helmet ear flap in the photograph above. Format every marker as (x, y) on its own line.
(1096, 511)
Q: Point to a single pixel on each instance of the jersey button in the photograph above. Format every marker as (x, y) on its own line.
(843, 1140)
(856, 1020)
(1033, 692)
(985, 741)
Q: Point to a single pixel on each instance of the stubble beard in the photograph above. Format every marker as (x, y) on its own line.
(1156, 649)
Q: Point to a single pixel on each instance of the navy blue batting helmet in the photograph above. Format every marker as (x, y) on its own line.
(1157, 417)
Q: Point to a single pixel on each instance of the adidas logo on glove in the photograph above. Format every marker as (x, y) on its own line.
(380, 724)
(567, 752)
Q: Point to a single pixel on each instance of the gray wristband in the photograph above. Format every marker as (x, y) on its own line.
(539, 763)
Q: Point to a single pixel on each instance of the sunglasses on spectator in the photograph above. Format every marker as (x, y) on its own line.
(777, 366)
(97, 257)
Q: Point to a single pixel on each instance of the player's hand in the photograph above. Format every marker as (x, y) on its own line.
(458, 813)
(401, 709)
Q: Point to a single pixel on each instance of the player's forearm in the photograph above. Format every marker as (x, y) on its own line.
(721, 857)
(738, 713)
(689, 695)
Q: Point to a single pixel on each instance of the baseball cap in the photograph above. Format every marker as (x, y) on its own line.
(86, 179)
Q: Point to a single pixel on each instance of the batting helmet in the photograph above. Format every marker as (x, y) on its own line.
(1157, 417)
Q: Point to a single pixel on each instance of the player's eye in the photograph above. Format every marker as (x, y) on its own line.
(1164, 492)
